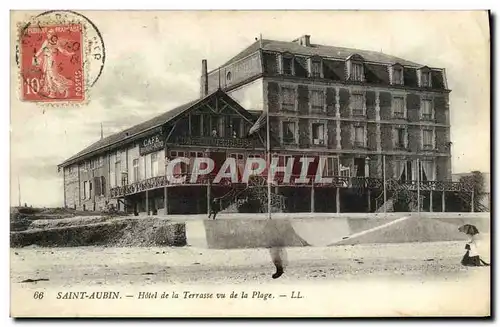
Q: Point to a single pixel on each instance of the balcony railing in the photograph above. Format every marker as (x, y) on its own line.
(261, 181)
(426, 117)
(358, 112)
(215, 142)
(398, 115)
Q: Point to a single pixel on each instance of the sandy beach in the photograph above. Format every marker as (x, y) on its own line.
(394, 276)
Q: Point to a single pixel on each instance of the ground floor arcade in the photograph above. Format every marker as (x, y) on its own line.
(197, 199)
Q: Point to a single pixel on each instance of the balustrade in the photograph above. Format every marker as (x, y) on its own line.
(261, 181)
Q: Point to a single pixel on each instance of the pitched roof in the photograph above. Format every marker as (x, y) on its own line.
(153, 123)
(136, 129)
(322, 51)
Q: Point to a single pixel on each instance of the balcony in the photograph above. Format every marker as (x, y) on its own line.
(261, 181)
(216, 142)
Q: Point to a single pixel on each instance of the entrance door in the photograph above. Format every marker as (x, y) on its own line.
(359, 163)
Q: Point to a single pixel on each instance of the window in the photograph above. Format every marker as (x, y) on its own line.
(399, 107)
(92, 163)
(228, 76)
(400, 138)
(331, 167)
(359, 136)
(316, 68)
(115, 179)
(154, 164)
(318, 100)
(195, 125)
(217, 127)
(428, 138)
(318, 133)
(356, 72)
(103, 185)
(235, 127)
(117, 173)
(288, 101)
(240, 157)
(199, 154)
(124, 178)
(287, 65)
(357, 104)
(425, 78)
(397, 76)
(288, 132)
(101, 161)
(426, 109)
(173, 154)
(206, 125)
(90, 190)
(135, 165)
(85, 191)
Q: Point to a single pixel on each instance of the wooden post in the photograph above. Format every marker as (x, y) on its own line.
(147, 202)
(165, 201)
(443, 202)
(369, 200)
(337, 199)
(312, 197)
(209, 204)
(431, 202)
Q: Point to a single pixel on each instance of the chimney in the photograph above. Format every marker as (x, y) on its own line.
(204, 78)
(304, 40)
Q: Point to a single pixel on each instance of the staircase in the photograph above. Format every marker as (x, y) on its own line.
(388, 206)
(399, 192)
(233, 200)
(478, 206)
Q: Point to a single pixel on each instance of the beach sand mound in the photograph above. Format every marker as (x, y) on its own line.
(113, 232)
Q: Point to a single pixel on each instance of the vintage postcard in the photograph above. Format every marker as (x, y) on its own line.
(250, 164)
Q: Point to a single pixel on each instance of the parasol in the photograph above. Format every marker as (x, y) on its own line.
(468, 229)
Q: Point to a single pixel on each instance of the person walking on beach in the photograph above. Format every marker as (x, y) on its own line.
(214, 208)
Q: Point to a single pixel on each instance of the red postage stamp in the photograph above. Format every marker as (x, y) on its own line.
(52, 63)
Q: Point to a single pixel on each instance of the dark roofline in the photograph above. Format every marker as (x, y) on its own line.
(76, 158)
(264, 41)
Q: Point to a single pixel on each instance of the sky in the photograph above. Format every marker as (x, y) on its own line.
(153, 63)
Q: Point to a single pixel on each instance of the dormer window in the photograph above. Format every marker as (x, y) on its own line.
(315, 67)
(397, 75)
(355, 68)
(424, 77)
(287, 65)
(356, 71)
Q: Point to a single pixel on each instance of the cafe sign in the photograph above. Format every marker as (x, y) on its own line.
(151, 144)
